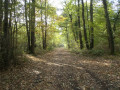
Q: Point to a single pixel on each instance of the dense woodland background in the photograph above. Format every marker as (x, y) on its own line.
(32, 26)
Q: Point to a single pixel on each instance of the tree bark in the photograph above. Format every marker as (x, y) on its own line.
(71, 20)
(80, 34)
(1, 17)
(27, 28)
(33, 27)
(45, 39)
(67, 34)
(42, 27)
(91, 26)
(15, 17)
(5, 47)
(109, 29)
(88, 20)
(85, 33)
(29, 33)
(11, 32)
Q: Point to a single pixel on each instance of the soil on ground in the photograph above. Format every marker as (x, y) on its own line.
(62, 70)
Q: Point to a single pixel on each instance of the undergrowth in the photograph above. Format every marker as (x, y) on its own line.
(92, 52)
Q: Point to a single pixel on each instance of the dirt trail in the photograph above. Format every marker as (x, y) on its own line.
(56, 70)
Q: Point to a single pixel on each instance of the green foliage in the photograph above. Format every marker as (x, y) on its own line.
(93, 52)
(61, 30)
(96, 52)
(39, 7)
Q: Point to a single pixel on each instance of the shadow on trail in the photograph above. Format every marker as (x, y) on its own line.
(62, 55)
(61, 70)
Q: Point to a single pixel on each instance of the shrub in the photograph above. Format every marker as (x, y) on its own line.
(96, 52)
(85, 52)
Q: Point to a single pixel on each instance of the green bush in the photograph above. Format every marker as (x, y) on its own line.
(76, 51)
(86, 52)
(96, 52)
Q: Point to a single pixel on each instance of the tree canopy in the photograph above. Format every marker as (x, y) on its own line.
(31, 26)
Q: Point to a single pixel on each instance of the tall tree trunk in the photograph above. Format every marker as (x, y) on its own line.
(10, 25)
(80, 34)
(42, 27)
(1, 30)
(6, 36)
(15, 27)
(109, 29)
(33, 27)
(91, 26)
(15, 34)
(27, 28)
(88, 20)
(71, 20)
(76, 24)
(29, 34)
(67, 35)
(45, 41)
(10, 30)
(85, 33)
(1, 17)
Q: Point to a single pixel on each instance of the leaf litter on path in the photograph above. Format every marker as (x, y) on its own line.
(62, 70)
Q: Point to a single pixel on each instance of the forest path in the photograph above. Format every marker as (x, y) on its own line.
(61, 70)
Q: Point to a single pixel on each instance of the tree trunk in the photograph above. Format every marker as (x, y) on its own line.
(67, 34)
(14, 35)
(109, 29)
(88, 20)
(1, 17)
(91, 26)
(45, 42)
(71, 20)
(80, 34)
(33, 27)
(10, 30)
(85, 33)
(76, 24)
(28, 32)
(42, 27)
(5, 47)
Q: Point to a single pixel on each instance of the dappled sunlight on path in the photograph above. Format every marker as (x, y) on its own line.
(62, 70)
(50, 63)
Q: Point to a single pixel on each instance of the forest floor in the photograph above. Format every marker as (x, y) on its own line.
(62, 70)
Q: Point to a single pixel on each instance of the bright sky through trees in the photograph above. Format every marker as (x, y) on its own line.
(58, 4)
